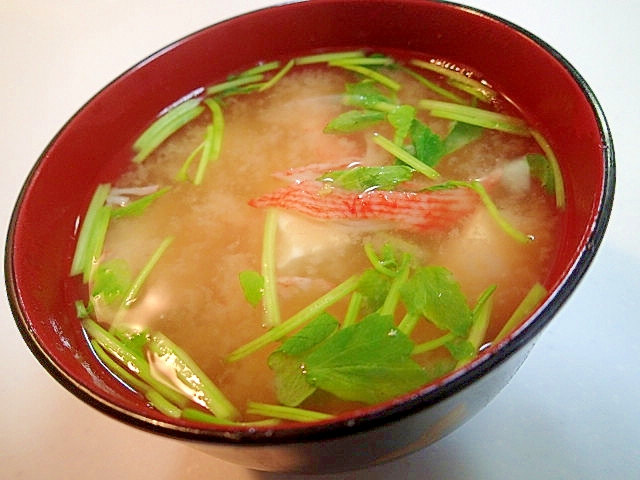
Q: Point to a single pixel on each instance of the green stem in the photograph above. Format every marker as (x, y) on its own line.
(433, 344)
(497, 216)
(434, 87)
(144, 273)
(138, 206)
(96, 242)
(528, 304)
(235, 83)
(363, 61)
(393, 297)
(110, 346)
(408, 323)
(286, 413)
(476, 116)
(277, 77)
(353, 310)
(372, 74)
(328, 57)
(164, 127)
(213, 140)
(555, 168)
(206, 392)
(82, 254)
(456, 77)
(481, 318)
(297, 320)
(261, 68)
(270, 287)
(404, 156)
(204, 417)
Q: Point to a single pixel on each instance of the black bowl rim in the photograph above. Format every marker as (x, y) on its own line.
(373, 418)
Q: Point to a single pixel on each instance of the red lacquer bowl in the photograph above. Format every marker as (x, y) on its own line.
(94, 147)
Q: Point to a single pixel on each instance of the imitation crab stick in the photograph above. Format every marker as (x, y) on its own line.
(425, 210)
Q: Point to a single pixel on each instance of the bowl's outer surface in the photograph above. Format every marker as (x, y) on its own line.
(94, 147)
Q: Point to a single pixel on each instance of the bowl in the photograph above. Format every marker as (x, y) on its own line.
(94, 147)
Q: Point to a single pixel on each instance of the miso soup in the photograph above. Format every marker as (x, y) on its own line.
(314, 236)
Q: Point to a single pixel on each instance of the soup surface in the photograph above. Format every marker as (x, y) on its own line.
(273, 222)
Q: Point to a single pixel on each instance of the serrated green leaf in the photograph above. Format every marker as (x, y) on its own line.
(292, 388)
(429, 147)
(434, 293)
(367, 362)
(401, 118)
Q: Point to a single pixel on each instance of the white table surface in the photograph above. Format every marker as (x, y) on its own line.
(571, 412)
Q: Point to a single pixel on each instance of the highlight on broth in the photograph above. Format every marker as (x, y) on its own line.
(312, 237)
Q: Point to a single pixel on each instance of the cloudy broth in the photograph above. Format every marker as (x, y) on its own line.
(275, 141)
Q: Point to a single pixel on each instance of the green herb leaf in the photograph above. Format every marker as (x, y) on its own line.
(366, 362)
(354, 120)
(374, 287)
(461, 134)
(540, 168)
(363, 178)
(287, 362)
(401, 118)
(434, 293)
(112, 281)
(429, 147)
(404, 156)
(252, 284)
(366, 95)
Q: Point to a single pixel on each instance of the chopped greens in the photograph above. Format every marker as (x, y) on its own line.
(138, 206)
(328, 57)
(368, 353)
(90, 232)
(286, 413)
(528, 304)
(558, 183)
(233, 84)
(459, 80)
(404, 156)
(137, 283)
(461, 134)
(277, 77)
(297, 320)
(476, 116)
(164, 127)
(269, 281)
(370, 73)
